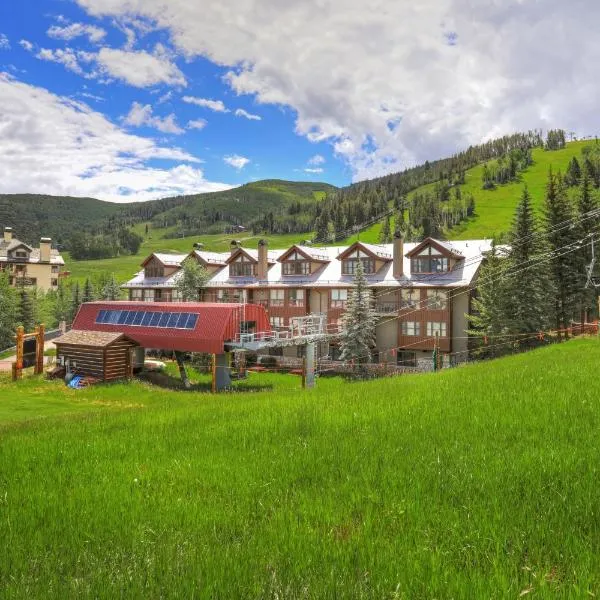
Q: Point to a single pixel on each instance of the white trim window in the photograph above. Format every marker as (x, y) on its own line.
(436, 328)
(350, 263)
(437, 299)
(149, 295)
(277, 322)
(409, 297)
(411, 328)
(339, 298)
(296, 297)
(136, 295)
(277, 297)
(242, 266)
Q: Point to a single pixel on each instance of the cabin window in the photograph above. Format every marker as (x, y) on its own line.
(149, 295)
(55, 269)
(350, 263)
(410, 328)
(429, 260)
(296, 264)
(406, 359)
(339, 298)
(136, 295)
(277, 322)
(435, 328)
(277, 297)
(437, 300)
(242, 266)
(21, 254)
(296, 297)
(409, 298)
(154, 269)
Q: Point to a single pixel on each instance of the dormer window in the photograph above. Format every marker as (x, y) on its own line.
(296, 264)
(242, 266)
(350, 263)
(154, 269)
(429, 260)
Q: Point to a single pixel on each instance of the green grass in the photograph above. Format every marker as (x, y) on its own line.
(479, 482)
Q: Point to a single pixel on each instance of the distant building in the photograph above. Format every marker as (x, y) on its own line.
(28, 266)
(421, 292)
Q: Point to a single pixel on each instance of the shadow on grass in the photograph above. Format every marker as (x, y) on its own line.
(169, 382)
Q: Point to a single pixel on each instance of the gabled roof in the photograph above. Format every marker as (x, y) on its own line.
(379, 252)
(218, 259)
(98, 339)
(14, 244)
(34, 253)
(167, 260)
(446, 248)
(312, 254)
(252, 255)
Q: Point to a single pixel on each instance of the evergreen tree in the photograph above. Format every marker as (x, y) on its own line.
(88, 291)
(573, 176)
(8, 312)
(359, 322)
(25, 310)
(111, 290)
(526, 289)
(563, 268)
(75, 302)
(385, 235)
(62, 305)
(192, 279)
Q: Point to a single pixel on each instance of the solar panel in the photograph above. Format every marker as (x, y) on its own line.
(147, 318)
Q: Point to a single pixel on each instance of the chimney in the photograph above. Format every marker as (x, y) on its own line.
(45, 245)
(398, 255)
(8, 234)
(263, 260)
(233, 246)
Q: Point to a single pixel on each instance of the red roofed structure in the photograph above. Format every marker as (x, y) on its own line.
(183, 326)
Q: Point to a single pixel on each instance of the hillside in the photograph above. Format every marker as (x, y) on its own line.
(476, 482)
(59, 217)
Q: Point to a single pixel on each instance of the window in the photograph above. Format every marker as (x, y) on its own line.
(277, 297)
(277, 322)
(296, 297)
(339, 298)
(141, 318)
(296, 264)
(411, 328)
(148, 295)
(248, 327)
(136, 295)
(21, 254)
(409, 298)
(55, 269)
(437, 300)
(154, 269)
(350, 263)
(429, 261)
(54, 282)
(242, 266)
(436, 328)
(406, 359)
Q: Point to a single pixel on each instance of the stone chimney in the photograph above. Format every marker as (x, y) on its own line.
(263, 260)
(45, 246)
(398, 255)
(233, 246)
(8, 234)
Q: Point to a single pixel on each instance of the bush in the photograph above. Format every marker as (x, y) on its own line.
(251, 359)
(268, 361)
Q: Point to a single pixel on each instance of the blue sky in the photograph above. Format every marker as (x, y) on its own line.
(140, 99)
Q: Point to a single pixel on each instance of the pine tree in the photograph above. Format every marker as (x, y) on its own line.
(526, 289)
(111, 290)
(192, 279)
(563, 267)
(88, 291)
(359, 322)
(573, 176)
(75, 302)
(385, 235)
(62, 305)
(25, 310)
(8, 311)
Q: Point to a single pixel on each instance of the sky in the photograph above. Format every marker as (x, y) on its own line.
(131, 100)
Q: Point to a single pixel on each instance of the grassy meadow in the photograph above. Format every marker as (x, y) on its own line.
(477, 482)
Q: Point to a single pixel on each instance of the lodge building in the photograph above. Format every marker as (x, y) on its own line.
(421, 291)
(27, 266)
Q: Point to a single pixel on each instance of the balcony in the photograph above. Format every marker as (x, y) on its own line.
(387, 308)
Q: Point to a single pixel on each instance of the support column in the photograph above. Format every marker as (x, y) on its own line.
(309, 362)
(221, 372)
(182, 371)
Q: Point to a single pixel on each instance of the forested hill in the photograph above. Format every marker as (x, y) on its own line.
(59, 217)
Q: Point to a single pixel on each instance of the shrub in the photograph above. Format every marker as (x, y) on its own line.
(268, 361)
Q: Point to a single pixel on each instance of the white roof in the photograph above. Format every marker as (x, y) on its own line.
(170, 260)
(330, 273)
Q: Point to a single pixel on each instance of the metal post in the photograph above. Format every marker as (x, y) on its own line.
(214, 373)
(309, 362)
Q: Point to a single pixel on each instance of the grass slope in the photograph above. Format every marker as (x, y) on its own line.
(477, 482)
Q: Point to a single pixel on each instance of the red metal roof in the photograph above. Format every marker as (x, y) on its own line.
(217, 323)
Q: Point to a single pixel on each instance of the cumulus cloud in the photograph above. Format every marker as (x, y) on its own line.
(214, 105)
(4, 42)
(313, 170)
(394, 83)
(140, 115)
(68, 32)
(240, 112)
(26, 45)
(317, 159)
(67, 57)
(78, 152)
(196, 124)
(236, 161)
(140, 69)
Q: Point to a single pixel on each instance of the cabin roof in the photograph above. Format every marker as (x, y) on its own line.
(99, 339)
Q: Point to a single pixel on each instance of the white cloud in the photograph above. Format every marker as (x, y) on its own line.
(236, 161)
(196, 124)
(165, 97)
(393, 83)
(4, 42)
(140, 115)
(240, 112)
(214, 105)
(69, 32)
(91, 96)
(140, 69)
(55, 145)
(313, 170)
(317, 159)
(27, 45)
(67, 57)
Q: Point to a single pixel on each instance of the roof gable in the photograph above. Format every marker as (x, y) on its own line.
(377, 252)
(308, 253)
(443, 248)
